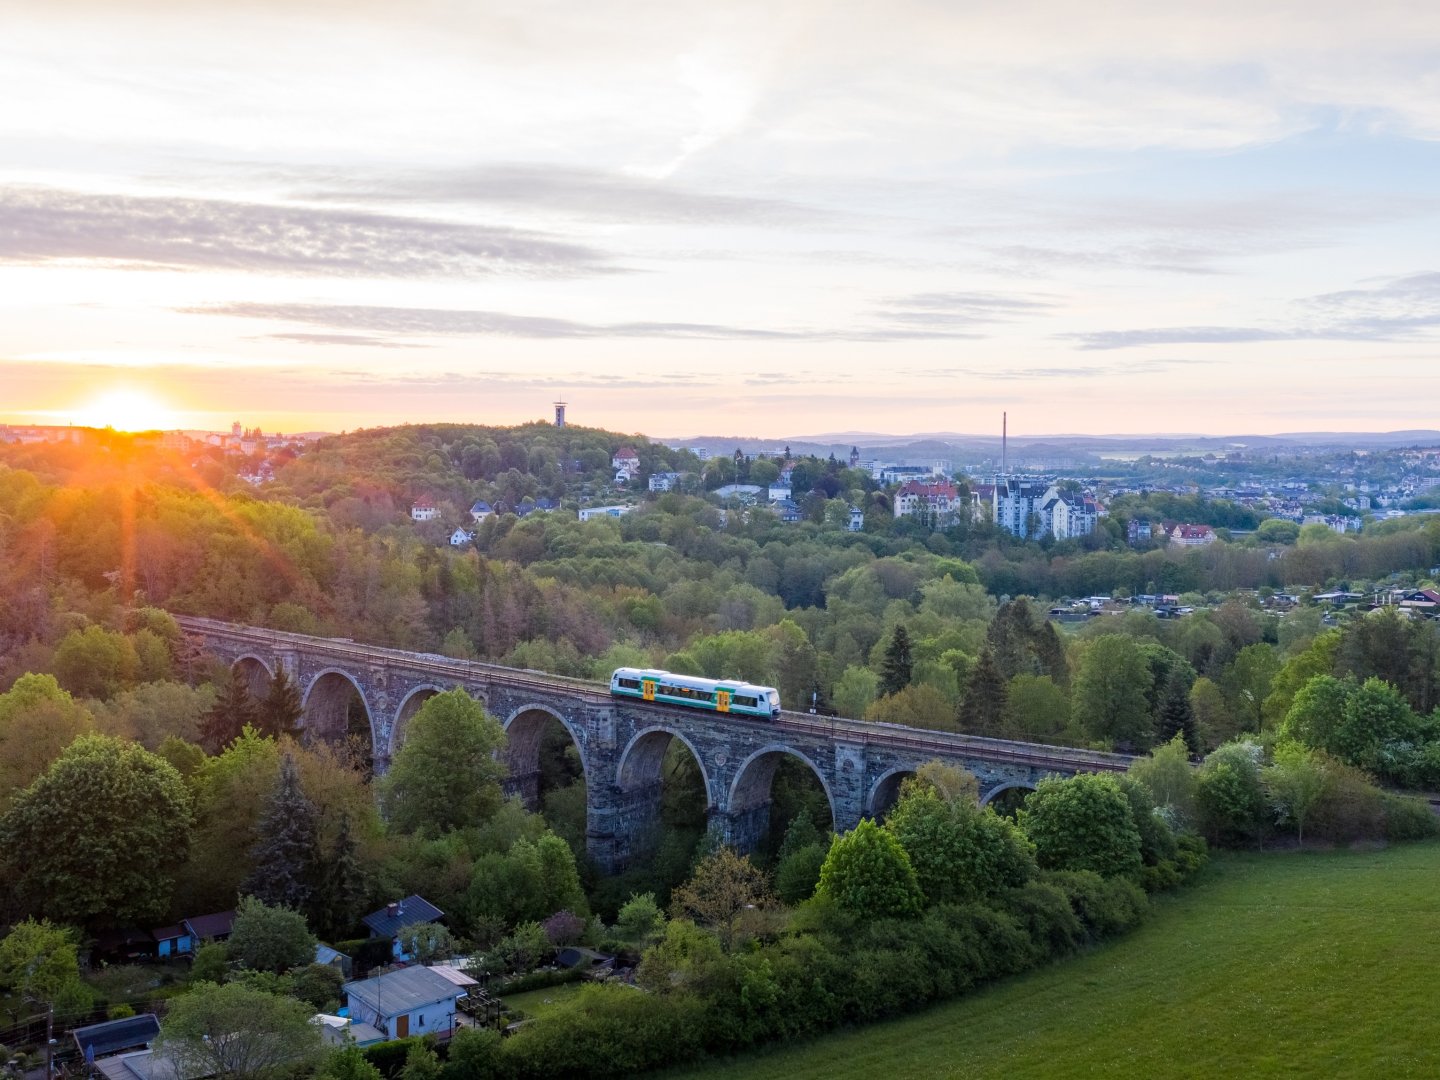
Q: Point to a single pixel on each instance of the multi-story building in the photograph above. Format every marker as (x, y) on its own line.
(1017, 506)
(937, 500)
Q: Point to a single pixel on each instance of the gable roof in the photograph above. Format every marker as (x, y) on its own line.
(408, 912)
(403, 990)
(214, 925)
(115, 1035)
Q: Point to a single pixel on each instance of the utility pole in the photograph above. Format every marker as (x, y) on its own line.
(49, 1041)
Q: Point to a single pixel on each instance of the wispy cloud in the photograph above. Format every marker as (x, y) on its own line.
(363, 340)
(1401, 309)
(364, 319)
(583, 194)
(39, 225)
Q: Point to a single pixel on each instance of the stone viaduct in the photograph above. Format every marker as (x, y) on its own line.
(622, 742)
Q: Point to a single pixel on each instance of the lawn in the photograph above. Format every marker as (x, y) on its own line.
(1293, 965)
(533, 1003)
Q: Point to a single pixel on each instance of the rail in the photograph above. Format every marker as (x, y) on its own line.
(835, 728)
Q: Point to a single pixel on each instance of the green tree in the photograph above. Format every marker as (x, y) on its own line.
(1177, 715)
(1229, 795)
(559, 877)
(236, 1031)
(426, 942)
(446, 775)
(39, 965)
(960, 852)
(212, 963)
(350, 1063)
(899, 663)
(797, 872)
(868, 874)
(1294, 780)
(286, 862)
(37, 721)
(281, 710)
(231, 714)
(1213, 720)
(156, 711)
(855, 691)
(639, 917)
(1170, 780)
(95, 662)
(1247, 683)
(918, 705)
(982, 709)
(98, 837)
(267, 938)
(1036, 709)
(421, 1063)
(724, 887)
(1082, 823)
(342, 885)
(1108, 700)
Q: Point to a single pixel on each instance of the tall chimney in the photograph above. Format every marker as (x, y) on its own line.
(1004, 436)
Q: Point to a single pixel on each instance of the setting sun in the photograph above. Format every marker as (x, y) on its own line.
(126, 410)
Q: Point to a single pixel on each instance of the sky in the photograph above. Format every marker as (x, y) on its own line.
(722, 218)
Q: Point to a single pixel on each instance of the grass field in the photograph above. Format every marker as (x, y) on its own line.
(1293, 965)
(534, 1002)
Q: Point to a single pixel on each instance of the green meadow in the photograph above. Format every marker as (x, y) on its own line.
(1284, 965)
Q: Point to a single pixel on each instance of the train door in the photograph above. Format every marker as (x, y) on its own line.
(648, 687)
(722, 700)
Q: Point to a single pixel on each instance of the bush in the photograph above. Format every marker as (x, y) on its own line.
(1408, 818)
(1047, 916)
(1082, 823)
(1349, 809)
(389, 1057)
(798, 873)
(1106, 906)
(535, 980)
(119, 1012)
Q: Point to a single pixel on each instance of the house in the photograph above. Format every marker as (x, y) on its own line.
(1138, 531)
(626, 464)
(394, 917)
(328, 957)
(424, 509)
(116, 1036)
(788, 510)
(664, 481)
(172, 941)
(214, 927)
(459, 538)
(780, 490)
(591, 512)
(857, 520)
(1192, 535)
(408, 1001)
(342, 1031)
(935, 501)
(480, 511)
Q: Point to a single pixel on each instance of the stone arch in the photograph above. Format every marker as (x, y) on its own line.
(748, 805)
(256, 673)
(524, 731)
(416, 697)
(643, 755)
(886, 791)
(327, 700)
(1009, 785)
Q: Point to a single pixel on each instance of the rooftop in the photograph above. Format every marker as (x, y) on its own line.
(404, 990)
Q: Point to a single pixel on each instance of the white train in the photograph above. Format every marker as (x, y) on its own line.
(715, 695)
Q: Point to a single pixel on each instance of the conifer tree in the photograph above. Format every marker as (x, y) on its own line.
(281, 710)
(285, 853)
(231, 713)
(982, 711)
(899, 665)
(341, 894)
(1176, 715)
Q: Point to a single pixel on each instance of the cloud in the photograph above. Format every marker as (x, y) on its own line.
(351, 319)
(585, 194)
(39, 225)
(1400, 309)
(344, 339)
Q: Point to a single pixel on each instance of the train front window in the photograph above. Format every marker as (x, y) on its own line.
(774, 700)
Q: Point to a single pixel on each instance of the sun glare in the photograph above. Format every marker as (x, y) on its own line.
(126, 410)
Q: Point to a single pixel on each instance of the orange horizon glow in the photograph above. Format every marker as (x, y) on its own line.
(127, 409)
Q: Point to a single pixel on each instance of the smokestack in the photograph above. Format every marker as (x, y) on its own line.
(1004, 436)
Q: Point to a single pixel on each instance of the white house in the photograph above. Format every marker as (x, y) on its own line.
(938, 499)
(424, 509)
(459, 538)
(857, 519)
(626, 461)
(780, 490)
(590, 512)
(480, 511)
(408, 1001)
(664, 481)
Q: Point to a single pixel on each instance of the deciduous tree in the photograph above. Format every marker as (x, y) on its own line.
(723, 888)
(868, 874)
(1082, 823)
(236, 1031)
(446, 775)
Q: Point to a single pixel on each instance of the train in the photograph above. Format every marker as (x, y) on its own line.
(714, 695)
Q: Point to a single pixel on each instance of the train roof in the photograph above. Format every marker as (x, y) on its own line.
(695, 681)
